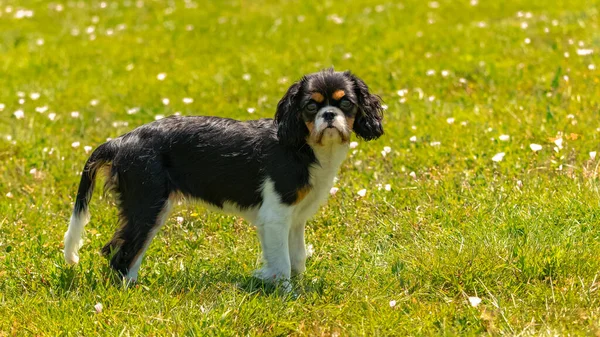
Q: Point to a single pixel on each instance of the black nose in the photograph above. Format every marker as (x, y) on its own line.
(328, 116)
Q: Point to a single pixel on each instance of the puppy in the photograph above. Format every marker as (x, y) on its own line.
(273, 172)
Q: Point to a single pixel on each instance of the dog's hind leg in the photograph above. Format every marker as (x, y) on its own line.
(144, 207)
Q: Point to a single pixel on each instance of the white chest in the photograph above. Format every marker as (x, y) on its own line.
(321, 179)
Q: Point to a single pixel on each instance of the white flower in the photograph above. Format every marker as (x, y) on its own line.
(87, 149)
(52, 116)
(384, 106)
(593, 155)
(336, 19)
(2, 106)
(450, 120)
(445, 73)
(430, 72)
(387, 149)
(559, 142)
(383, 153)
(179, 220)
(353, 145)
(413, 175)
(583, 52)
(402, 92)
(392, 303)
(504, 138)
(133, 111)
(19, 114)
(33, 171)
(94, 102)
(474, 301)
(157, 117)
(246, 77)
(251, 110)
(34, 95)
(98, 307)
(535, 147)
(188, 100)
(75, 144)
(435, 143)
(9, 195)
(165, 101)
(75, 114)
(161, 76)
(22, 101)
(333, 190)
(362, 192)
(388, 187)
(498, 157)
(591, 67)
(413, 139)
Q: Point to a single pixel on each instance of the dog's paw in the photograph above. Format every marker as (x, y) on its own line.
(272, 276)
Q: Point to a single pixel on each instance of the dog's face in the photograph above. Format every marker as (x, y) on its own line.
(325, 107)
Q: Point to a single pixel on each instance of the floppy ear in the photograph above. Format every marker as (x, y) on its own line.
(291, 130)
(367, 123)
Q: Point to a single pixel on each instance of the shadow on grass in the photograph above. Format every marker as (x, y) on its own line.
(88, 276)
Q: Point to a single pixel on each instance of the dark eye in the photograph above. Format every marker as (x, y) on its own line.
(311, 107)
(345, 104)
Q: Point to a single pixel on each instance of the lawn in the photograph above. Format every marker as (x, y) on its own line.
(481, 213)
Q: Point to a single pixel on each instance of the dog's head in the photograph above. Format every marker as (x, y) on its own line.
(325, 107)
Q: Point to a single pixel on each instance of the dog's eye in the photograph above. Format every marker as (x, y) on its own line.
(311, 107)
(345, 104)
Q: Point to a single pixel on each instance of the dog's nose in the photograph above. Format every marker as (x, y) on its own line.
(328, 116)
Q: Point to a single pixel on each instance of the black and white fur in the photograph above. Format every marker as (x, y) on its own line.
(273, 172)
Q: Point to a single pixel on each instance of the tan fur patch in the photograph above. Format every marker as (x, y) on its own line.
(317, 97)
(338, 94)
(350, 122)
(310, 126)
(302, 193)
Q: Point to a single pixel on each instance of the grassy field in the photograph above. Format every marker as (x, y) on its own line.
(473, 211)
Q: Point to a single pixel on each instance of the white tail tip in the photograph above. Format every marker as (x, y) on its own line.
(73, 239)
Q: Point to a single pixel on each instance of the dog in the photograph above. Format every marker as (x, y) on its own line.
(275, 173)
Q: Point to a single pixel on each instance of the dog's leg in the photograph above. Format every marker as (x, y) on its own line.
(160, 221)
(131, 241)
(144, 207)
(273, 224)
(275, 251)
(297, 248)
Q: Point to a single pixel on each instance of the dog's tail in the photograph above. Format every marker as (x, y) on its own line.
(104, 154)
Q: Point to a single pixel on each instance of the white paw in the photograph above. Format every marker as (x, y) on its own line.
(272, 276)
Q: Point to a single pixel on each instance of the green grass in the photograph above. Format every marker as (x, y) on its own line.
(522, 234)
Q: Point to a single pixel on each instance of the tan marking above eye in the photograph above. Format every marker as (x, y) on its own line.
(317, 97)
(338, 94)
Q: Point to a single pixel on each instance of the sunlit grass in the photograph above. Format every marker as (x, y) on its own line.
(477, 212)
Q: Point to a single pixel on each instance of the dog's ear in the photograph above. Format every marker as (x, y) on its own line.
(367, 124)
(291, 130)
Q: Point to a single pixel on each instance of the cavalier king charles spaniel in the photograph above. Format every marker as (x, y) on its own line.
(273, 172)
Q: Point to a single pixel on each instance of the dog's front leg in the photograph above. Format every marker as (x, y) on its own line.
(273, 230)
(297, 248)
(275, 250)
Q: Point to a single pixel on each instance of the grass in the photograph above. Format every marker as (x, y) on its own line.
(521, 234)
